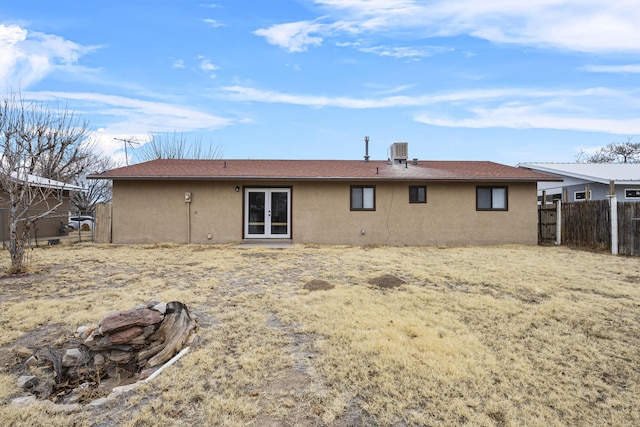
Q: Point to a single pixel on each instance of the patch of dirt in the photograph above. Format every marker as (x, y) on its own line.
(633, 279)
(46, 336)
(318, 285)
(523, 295)
(284, 393)
(268, 255)
(387, 281)
(14, 276)
(599, 294)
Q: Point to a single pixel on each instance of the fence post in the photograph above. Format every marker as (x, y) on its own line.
(558, 222)
(613, 202)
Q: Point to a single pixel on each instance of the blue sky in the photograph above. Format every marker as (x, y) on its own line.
(507, 81)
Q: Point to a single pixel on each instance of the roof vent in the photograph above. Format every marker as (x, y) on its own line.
(399, 152)
(366, 148)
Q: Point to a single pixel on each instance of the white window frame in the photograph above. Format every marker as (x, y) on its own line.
(632, 197)
(575, 196)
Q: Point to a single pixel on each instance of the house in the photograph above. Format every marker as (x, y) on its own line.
(588, 181)
(54, 193)
(391, 202)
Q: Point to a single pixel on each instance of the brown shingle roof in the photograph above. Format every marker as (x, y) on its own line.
(314, 170)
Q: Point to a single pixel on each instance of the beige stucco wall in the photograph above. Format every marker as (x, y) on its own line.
(155, 211)
(47, 227)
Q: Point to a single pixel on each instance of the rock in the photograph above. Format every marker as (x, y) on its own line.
(99, 360)
(161, 307)
(98, 402)
(125, 336)
(149, 304)
(119, 356)
(77, 393)
(93, 340)
(27, 381)
(141, 339)
(24, 352)
(123, 389)
(126, 319)
(85, 331)
(146, 373)
(31, 362)
(24, 400)
(44, 388)
(71, 357)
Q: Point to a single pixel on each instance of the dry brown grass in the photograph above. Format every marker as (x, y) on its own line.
(501, 336)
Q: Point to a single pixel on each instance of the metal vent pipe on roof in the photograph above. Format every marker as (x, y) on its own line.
(366, 148)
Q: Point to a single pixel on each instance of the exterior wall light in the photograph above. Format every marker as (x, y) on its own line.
(237, 188)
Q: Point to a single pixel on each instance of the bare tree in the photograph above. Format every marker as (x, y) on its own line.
(176, 146)
(95, 190)
(616, 152)
(41, 148)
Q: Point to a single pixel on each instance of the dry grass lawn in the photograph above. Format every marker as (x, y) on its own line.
(504, 336)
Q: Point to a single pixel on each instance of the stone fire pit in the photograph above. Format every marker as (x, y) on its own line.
(125, 347)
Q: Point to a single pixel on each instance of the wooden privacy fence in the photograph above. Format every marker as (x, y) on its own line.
(587, 224)
(629, 228)
(103, 223)
(547, 224)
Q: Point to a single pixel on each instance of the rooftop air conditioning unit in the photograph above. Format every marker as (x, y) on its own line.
(399, 151)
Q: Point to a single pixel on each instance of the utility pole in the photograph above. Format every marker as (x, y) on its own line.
(131, 142)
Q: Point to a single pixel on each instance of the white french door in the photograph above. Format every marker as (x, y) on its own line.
(267, 213)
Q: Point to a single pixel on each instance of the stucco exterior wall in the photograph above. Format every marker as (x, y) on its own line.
(155, 211)
(45, 227)
(448, 218)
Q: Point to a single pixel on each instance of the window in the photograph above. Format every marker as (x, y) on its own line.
(581, 195)
(363, 198)
(632, 193)
(417, 194)
(491, 198)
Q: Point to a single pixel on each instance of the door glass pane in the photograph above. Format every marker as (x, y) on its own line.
(279, 210)
(256, 212)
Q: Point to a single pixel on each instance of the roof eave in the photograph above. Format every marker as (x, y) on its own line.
(325, 178)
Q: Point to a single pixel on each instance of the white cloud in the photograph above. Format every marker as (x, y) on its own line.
(523, 119)
(379, 90)
(594, 26)
(178, 63)
(294, 36)
(404, 52)
(629, 68)
(124, 117)
(258, 95)
(487, 108)
(28, 57)
(213, 23)
(206, 65)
